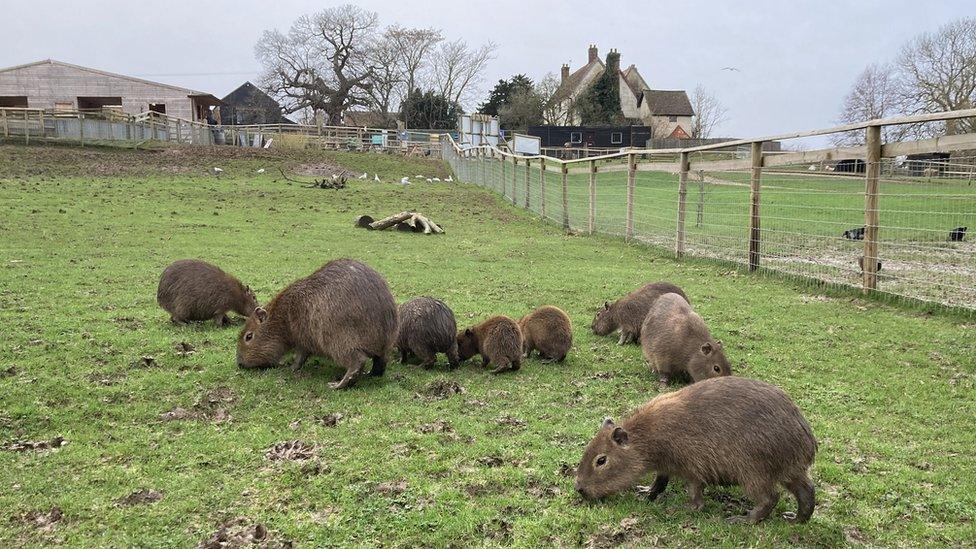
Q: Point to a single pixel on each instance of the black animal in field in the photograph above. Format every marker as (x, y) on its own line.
(860, 264)
(958, 234)
(854, 234)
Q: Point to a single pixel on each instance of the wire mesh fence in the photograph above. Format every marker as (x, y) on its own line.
(824, 219)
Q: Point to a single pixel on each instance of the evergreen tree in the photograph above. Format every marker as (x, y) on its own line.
(600, 104)
(430, 110)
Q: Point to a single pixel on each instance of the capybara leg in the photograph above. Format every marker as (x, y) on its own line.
(176, 320)
(663, 379)
(503, 365)
(485, 361)
(695, 502)
(516, 364)
(452, 357)
(221, 320)
(427, 357)
(660, 483)
(802, 490)
(299, 361)
(354, 368)
(623, 338)
(379, 366)
(765, 498)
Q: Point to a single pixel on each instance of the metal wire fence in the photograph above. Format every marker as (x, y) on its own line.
(890, 218)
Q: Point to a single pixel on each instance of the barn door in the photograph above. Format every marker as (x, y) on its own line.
(589, 139)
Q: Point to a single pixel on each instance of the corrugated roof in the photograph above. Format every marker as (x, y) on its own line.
(668, 102)
(105, 73)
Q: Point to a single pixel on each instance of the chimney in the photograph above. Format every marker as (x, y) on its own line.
(564, 74)
(593, 53)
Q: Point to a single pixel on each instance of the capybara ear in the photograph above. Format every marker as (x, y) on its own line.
(706, 348)
(260, 314)
(606, 304)
(620, 437)
(608, 422)
(468, 331)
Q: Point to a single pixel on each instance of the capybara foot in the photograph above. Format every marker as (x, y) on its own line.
(790, 516)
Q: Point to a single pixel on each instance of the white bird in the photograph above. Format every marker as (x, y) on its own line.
(404, 180)
(428, 180)
(812, 168)
(437, 179)
(418, 177)
(376, 177)
(218, 171)
(260, 171)
(449, 179)
(363, 176)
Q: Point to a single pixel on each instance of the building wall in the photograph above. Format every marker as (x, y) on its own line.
(570, 117)
(628, 102)
(46, 84)
(663, 126)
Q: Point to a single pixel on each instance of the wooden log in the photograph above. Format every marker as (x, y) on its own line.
(389, 221)
(872, 173)
(679, 237)
(754, 218)
(363, 221)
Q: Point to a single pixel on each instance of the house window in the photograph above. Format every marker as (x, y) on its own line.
(158, 107)
(576, 137)
(672, 119)
(616, 138)
(13, 101)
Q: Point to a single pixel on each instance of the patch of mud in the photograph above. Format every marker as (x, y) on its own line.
(330, 420)
(140, 497)
(35, 445)
(241, 532)
(212, 405)
(291, 450)
(43, 520)
(440, 389)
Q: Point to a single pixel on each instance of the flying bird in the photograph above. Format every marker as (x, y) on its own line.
(736, 69)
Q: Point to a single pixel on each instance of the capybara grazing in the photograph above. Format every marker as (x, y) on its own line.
(547, 330)
(343, 311)
(628, 312)
(193, 290)
(427, 327)
(498, 340)
(726, 431)
(675, 341)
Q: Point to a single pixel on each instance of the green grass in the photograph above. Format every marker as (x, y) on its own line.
(888, 391)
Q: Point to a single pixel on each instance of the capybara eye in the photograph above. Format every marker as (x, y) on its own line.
(601, 461)
(717, 369)
(249, 336)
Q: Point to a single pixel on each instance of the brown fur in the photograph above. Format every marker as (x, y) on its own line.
(498, 340)
(343, 311)
(726, 431)
(548, 330)
(627, 313)
(194, 290)
(427, 327)
(676, 341)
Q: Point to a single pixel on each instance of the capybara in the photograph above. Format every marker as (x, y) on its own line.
(498, 340)
(427, 327)
(343, 311)
(675, 341)
(191, 290)
(860, 264)
(628, 312)
(726, 431)
(547, 330)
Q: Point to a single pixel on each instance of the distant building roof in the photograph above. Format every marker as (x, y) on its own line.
(249, 104)
(669, 102)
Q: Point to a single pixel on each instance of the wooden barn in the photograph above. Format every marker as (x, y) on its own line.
(59, 86)
(609, 137)
(249, 104)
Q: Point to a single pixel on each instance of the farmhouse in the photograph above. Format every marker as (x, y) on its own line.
(249, 104)
(62, 86)
(667, 112)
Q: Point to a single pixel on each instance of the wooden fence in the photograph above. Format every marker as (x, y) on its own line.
(859, 216)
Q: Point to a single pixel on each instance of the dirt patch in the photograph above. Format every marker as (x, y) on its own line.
(128, 322)
(566, 470)
(43, 520)
(510, 421)
(35, 445)
(183, 348)
(611, 536)
(439, 426)
(211, 405)
(140, 497)
(325, 169)
(440, 389)
(241, 532)
(391, 488)
(331, 420)
(291, 450)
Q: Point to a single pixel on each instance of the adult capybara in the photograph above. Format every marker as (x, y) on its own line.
(548, 330)
(628, 312)
(427, 327)
(498, 340)
(191, 290)
(676, 341)
(727, 431)
(343, 311)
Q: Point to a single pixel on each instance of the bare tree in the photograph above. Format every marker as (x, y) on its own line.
(457, 71)
(876, 93)
(414, 47)
(388, 81)
(709, 113)
(552, 111)
(323, 63)
(939, 72)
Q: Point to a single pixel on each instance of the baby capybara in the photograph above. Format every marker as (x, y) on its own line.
(628, 312)
(548, 330)
(427, 327)
(676, 341)
(498, 340)
(725, 431)
(192, 290)
(343, 311)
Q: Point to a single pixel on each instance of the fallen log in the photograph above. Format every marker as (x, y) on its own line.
(389, 221)
(403, 221)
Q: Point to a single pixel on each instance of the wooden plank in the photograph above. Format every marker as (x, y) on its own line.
(679, 246)
(668, 167)
(720, 165)
(754, 217)
(942, 144)
(542, 186)
(591, 220)
(631, 181)
(871, 183)
(814, 157)
(565, 198)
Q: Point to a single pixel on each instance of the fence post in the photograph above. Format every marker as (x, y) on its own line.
(872, 171)
(754, 219)
(701, 198)
(81, 129)
(591, 221)
(179, 131)
(502, 159)
(26, 128)
(679, 237)
(542, 186)
(528, 168)
(565, 198)
(41, 118)
(631, 179)
(6, 128)
(514, 175)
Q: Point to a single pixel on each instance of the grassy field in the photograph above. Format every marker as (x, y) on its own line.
(165, 439)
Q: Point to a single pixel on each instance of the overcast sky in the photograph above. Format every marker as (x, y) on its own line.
(796, 59)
